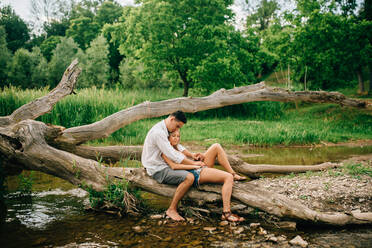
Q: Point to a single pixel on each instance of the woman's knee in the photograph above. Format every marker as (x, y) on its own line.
(217, 146)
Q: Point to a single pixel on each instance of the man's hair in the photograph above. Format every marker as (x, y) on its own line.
(180, 116)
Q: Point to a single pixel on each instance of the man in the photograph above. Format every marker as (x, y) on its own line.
(157, 143)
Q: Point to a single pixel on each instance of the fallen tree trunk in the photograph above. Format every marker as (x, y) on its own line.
(26, 144)
(113, 154)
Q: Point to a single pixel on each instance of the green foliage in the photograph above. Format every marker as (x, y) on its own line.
(28, 69)
(263, 14)
(94, 64)
(357, 169)
(48, 45)
(15, 28)
(119, 195)
(108, 12)
(64, 53)
(191, 38)
(83, 30)
(25, 183)
(5, 56)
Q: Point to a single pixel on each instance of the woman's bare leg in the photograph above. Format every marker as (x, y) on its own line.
(216, 151)
(211, 175)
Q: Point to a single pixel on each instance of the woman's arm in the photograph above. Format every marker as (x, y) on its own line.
(175, 166)
(195, 156)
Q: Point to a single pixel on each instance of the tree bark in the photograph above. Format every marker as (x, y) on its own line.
(360, 81)
(26, 144)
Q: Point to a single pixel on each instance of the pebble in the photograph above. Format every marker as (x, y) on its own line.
(254, 225)
(239, 230)
(261, 231)
(298, 241)
(156, 216)
(224, 223)
(137, 229)
(210, 229)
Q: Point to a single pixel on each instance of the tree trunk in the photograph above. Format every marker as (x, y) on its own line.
(26, 144)
(370, 79)
(360, 81)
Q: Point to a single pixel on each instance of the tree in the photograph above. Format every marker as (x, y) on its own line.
(186, 36)
(17, 33)
(108, 12)
(83, 30)
(95, 66)
(27, 69)
(5, 56)
(62, 56)
(263, 14)
(49, 45)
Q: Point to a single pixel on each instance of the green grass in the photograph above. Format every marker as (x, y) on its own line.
(258, 123)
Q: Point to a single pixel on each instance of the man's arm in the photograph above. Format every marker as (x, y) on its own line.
(194, 156)
(176, 166)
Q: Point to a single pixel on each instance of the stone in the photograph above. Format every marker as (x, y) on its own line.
(239, 230)
(273, 239)
(137, 229)
(254, 225)
(156, 216)
(287, 225)
(224, 223)
(298, 241)
(210, 229)
(261, 231)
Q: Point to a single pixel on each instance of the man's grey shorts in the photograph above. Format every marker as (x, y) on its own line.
(169, 176)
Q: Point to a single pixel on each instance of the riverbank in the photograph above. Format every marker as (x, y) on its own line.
(344, 189)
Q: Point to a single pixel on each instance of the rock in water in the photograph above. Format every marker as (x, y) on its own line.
(298, 241)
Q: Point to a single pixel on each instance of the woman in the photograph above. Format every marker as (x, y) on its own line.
(205, 173)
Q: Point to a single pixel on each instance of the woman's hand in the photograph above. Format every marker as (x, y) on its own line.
(199, 163)
(198, 156)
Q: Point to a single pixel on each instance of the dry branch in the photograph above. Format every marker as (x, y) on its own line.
(221, 98)
(45, 104)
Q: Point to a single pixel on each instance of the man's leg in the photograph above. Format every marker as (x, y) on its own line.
(180, 192)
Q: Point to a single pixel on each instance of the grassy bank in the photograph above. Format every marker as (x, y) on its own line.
(260, 123)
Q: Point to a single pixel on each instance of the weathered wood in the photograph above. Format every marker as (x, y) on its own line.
(115, 154)
(251, 93)
(45, 104)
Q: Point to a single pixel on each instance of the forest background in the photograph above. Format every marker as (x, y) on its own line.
(157, 50)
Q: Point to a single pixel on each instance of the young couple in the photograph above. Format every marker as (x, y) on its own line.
(169, 162)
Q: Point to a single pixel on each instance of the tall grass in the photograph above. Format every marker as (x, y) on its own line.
(258, 123)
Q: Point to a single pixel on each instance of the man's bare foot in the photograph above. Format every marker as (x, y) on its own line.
(173, 214)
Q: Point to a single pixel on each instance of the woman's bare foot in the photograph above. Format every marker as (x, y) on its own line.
(173, 214)
(238, 177)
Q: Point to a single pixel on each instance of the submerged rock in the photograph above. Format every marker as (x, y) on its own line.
(298, 241)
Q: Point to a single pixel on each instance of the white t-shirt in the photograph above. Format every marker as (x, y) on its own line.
(156, 143)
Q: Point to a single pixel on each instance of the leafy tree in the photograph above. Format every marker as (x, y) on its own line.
(83, 30)
(56, 27)
(5, 56)
(27, 69)
(108, 12)
(49, 45)
(183, 36)
(64, 53)
(263, 14)
(15, 28)
(95, 64)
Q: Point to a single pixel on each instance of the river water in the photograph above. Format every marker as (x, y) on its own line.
(54, 216)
